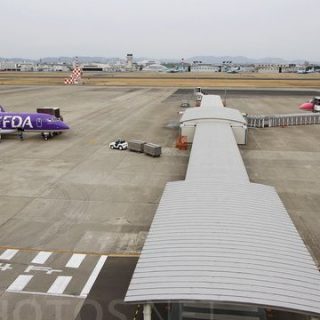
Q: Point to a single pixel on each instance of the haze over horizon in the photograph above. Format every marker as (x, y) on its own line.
(159, 29)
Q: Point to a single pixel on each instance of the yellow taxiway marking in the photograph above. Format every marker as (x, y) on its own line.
(61, 251)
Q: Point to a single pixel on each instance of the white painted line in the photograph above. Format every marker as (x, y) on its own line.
(8, 254)
(94, 274)
(47, 294)
(75, 260)
(59, 285)
(41, 257)
(20, 283)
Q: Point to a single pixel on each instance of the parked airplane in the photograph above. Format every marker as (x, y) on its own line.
(173, 70)
(46, 124)
(305, 71)
(234, 70)
(313, 105)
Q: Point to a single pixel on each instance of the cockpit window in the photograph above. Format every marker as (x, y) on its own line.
(53, 119)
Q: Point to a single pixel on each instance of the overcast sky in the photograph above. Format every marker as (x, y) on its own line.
(160, 28)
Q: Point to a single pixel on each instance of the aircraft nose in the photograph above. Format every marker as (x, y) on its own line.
(63, 126)
(66, 127)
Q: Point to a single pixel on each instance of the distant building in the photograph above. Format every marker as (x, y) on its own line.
(145, 63)
(91, 67)
(26, 67)
(272, 68)
(9, 66)
(155, 68)
(247, 69)
(61, 68)
(204, 67)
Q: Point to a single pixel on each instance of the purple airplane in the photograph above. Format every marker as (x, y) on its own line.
(48, 125)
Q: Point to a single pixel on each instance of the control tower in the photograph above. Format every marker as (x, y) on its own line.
(129, 60)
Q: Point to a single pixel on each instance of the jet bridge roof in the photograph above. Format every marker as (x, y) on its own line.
(211, 101)
(216, 237)
(223, 114)
(228, 243)
(215, 154)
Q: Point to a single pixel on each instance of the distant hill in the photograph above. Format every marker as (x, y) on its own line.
(16, 60)
(68, 60)
(80, 59)
(243, 60)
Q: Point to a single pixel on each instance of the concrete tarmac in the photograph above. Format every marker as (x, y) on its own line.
(73, 195)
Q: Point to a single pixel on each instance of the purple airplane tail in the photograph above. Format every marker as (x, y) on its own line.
(2, 109)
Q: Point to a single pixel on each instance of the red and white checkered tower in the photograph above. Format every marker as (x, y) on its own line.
(75, 77)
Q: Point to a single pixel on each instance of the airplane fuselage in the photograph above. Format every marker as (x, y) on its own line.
(39, 122)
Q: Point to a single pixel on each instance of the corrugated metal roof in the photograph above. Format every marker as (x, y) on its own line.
(223, 242)
(215, 154)
(216, 237)
(224, 114)
(210, 101)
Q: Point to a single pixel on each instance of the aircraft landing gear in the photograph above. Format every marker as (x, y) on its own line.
(45, 135)
(20, 134)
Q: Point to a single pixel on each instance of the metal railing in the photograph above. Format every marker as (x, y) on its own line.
(282, 120)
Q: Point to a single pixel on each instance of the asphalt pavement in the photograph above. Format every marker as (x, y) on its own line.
(105, 300)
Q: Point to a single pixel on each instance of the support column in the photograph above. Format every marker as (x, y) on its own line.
(147, 312)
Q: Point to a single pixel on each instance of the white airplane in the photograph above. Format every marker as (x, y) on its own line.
(234, 70)
(305, 71)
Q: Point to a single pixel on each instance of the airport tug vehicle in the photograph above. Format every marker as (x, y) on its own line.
(119, 144)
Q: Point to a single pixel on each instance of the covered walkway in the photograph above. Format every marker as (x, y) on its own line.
(217, 238)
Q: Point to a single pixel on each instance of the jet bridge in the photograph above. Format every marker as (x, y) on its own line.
(217, 238)
(282, 120)
(194, 116)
